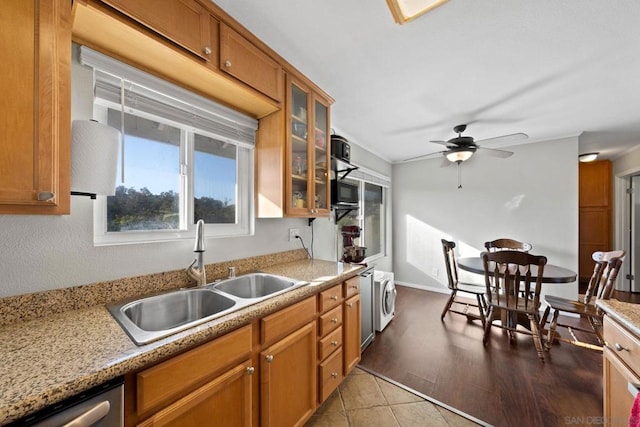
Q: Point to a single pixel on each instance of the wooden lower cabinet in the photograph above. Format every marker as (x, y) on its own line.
(620, 373)
(224, 401)
(352, 324)
(288, 379)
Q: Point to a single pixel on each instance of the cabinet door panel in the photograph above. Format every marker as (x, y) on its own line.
(288, 373)
(617, 398)
(185, 22)
(244, 61)
(351, 328)
(225, 401)
(35, 107)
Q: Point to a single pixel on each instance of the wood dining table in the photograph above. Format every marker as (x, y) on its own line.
(552, 273)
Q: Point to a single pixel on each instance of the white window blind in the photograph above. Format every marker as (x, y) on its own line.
(367, 175)
(147, 93)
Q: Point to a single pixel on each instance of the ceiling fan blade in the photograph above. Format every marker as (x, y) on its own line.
(503, 154)
(510, 137)
(424, 156)
(441, 143)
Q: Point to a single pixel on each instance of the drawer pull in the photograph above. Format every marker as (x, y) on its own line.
(620, 347)
(354, 286)
(334, 375)
(349, 304)
(207, 50)
(334, 320)
(227, 63)
(269, 358)
(251, 370)
(334, 343)
(334, 297)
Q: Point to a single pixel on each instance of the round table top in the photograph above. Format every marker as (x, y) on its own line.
(552, 273)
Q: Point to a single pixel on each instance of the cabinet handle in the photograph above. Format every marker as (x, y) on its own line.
(269, 358)
(334, 320)
(251, 370)
(227, 63)
(349, 304)
(45, 196)
(334, 375)
(334, 343)
(620, 347)
(354, 286)
(334, 297)
(207, 50)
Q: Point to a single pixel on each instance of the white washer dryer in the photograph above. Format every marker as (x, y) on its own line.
(384, 298)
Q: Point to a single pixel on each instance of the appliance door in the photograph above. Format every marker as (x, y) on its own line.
(388, 298)
(367, 332)
(101, 406)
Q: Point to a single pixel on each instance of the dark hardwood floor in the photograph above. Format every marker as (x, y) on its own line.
(501, 384)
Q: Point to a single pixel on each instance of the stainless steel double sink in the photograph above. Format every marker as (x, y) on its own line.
(150, 318)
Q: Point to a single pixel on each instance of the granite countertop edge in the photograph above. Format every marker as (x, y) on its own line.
(626, 313)
(46, 360)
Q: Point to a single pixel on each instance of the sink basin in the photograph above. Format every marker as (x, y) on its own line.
(151, 318)
(256, 285)
(147, 319)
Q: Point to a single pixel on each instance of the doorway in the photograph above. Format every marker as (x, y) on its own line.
(633, 238)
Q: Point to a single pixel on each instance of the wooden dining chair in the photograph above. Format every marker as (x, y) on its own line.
(507, 244)
(466, 288)
(513, 281)
(601, 286)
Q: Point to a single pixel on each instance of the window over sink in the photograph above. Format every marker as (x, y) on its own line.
(182, 158)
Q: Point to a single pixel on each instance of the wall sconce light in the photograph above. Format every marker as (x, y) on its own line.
(460, 154)
(588, 157)
(94, 158)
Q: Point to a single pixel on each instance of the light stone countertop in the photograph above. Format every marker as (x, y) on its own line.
(49, 359)
(626, 313)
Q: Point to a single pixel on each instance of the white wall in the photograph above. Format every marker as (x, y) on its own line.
(531, 196)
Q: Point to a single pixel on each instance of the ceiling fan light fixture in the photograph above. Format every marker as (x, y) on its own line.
(404, 11)
(588, 157)
(459, 154)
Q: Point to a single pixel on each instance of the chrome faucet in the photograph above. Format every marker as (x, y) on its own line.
(197, 270)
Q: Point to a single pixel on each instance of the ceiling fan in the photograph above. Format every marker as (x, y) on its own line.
(461, 148)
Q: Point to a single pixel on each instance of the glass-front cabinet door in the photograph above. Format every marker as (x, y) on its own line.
(308, 154)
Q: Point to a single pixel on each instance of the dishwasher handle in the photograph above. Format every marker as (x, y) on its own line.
(92, 416)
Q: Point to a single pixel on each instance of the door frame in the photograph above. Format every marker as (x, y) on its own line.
(622, 222)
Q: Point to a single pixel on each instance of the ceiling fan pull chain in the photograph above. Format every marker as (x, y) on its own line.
(459, 173)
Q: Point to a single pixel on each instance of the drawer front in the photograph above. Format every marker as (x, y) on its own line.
(330, 375)
(287, 320)
(330, 298)
(331, 320)
(622, 343)
(351, 287)
(163, 383)
(329, 344)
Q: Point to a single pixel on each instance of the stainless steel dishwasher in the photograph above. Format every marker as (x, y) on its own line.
(101, 406)
(367, 333)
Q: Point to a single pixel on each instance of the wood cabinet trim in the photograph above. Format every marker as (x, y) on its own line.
(279, 324)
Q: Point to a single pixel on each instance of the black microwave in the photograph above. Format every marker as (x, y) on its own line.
(344, 194)
(340, 148)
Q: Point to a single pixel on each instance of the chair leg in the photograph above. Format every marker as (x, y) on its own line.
(449, 303)
(596, 325)
(543, 323)
(552, 329)
(487, 326)
(537, 340)
(480, 299)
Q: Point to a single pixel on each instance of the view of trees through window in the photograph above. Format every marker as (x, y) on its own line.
(149, 197)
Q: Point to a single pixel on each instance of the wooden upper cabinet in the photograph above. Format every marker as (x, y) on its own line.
(595, 180)
(35, 79)
(246, 62)
(185, 22)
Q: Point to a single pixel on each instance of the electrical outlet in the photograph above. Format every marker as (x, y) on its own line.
(293, 232)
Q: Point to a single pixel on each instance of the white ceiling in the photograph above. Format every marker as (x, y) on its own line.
(548, 68)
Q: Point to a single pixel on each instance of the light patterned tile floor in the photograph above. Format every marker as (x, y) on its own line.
(364, 399)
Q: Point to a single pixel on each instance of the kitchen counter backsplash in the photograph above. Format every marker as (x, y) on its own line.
(25, 307)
